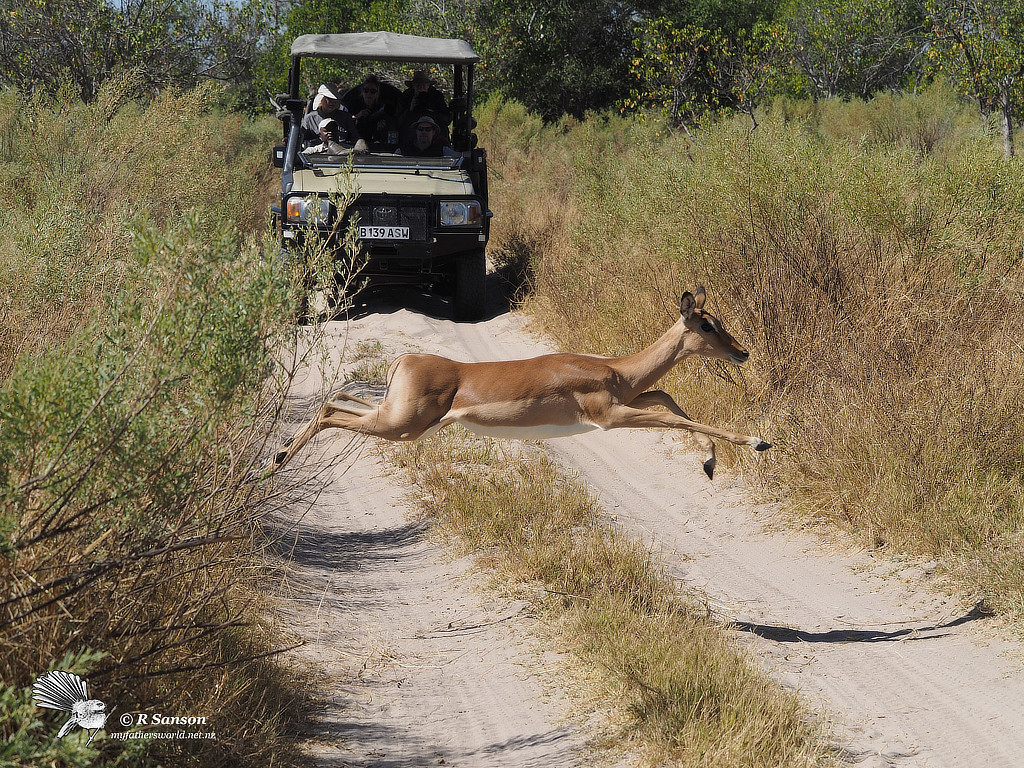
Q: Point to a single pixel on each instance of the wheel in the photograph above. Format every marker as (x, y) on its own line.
(290, 261)
(470, 286)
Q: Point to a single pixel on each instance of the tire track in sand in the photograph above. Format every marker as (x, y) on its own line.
(912, 679)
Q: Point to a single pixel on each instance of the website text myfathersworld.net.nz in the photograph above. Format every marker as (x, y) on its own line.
(133, 735)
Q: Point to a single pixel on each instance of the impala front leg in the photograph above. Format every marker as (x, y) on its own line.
(624, 416)
(658, 397)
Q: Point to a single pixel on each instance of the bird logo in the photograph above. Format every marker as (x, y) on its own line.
(68, 693)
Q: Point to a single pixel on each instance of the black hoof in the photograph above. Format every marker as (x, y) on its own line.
(762, 446)
(709, 468)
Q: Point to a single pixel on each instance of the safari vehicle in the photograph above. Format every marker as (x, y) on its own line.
(420, 221)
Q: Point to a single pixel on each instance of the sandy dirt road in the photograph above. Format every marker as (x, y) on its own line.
(909, 678)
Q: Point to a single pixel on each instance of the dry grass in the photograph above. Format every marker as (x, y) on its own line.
(871, 256)
(684, 692)
(138, 324)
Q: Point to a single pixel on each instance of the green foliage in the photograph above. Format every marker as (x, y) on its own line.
(980, 48)
(566, 57)
(236, 35)
(139, 319)
(175, 43)
(104, 163)
(731, 18)
(852, 47)
(676, 69)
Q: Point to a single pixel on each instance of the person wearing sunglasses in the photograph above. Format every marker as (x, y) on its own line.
(424, 141)
(373, 104)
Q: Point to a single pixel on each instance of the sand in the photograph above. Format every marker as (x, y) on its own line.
(424, 666)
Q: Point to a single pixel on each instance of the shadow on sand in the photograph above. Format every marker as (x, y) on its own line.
(790, 635)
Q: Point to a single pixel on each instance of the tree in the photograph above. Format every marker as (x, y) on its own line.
(270, 70)
(979, 45)
(168, 42)
(565, 56)
(852, 47)
(754, 66)
(675, 71)
(693, 57)
(730, 18)
(235, 36)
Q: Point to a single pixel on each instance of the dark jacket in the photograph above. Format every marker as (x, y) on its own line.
(346, 131)
(412, 105)
(375, 126)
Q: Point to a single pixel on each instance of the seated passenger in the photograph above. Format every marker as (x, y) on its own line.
(422, 98)
(424, 141)
(372, 105)
(331, 140)
(326, 104)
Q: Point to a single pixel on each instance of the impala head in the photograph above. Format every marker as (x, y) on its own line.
(707, 336)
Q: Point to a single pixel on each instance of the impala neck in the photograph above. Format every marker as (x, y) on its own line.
(642, 370)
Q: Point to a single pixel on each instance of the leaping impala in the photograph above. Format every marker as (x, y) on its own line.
(542, 397)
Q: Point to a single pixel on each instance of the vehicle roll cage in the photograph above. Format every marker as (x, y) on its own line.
(383, 46)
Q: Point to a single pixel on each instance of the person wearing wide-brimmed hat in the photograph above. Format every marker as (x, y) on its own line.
(425, 140)
(422, 97)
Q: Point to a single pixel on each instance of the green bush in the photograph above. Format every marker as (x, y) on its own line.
(140, 319)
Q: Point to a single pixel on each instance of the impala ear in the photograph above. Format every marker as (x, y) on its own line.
(687, 305)
(700, 297)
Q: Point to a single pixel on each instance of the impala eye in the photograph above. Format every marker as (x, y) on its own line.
(706, 327)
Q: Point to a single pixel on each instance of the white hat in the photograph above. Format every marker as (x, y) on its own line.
(325, 91)
(326, 121)
(328, 90)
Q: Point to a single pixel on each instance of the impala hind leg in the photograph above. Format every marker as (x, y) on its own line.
(295, 443)
(385, 421)
(361, 418)
(658, 397)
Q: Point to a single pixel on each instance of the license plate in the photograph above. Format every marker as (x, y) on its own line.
(383, 233)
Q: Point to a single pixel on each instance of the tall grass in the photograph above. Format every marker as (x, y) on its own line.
(139, 319)
(870, 254)
(76, 178)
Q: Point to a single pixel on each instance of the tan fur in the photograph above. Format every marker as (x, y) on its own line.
(539, 397)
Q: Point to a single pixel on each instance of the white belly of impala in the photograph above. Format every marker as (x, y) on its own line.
(528, 433)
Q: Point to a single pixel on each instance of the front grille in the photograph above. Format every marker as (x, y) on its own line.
(394, 214)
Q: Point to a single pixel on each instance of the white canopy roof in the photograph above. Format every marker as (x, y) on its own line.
(385, 46)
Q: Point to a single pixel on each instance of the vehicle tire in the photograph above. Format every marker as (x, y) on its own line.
(470, 286)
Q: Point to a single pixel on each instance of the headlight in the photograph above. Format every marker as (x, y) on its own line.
(461, 213)
(311, 210)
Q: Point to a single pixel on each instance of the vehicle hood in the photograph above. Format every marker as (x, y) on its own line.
(394, 182)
